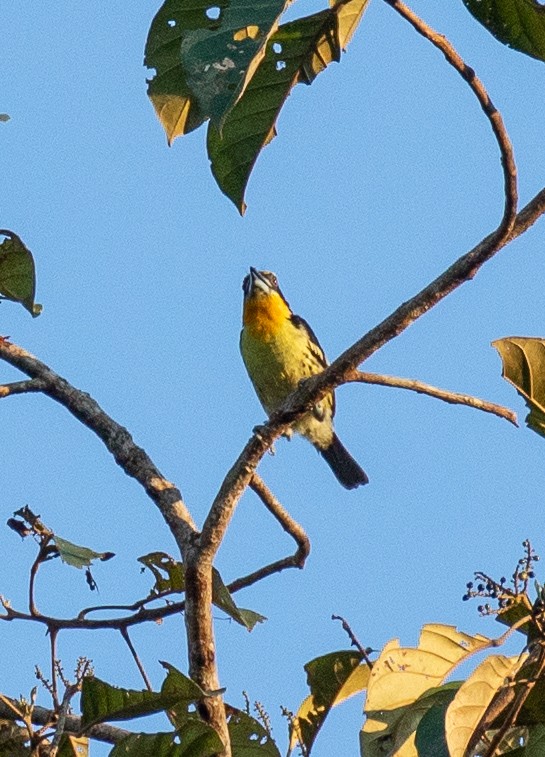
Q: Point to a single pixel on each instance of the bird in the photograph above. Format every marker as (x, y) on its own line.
(280, 350)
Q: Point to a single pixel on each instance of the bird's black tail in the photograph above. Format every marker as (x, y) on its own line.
(343, 465)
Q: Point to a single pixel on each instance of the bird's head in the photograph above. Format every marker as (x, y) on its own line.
(264, 303)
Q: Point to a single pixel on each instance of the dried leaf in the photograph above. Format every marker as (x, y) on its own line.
(523, 360)
(473, 698)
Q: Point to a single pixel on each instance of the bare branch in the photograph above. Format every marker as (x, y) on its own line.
(131, 458)
(354, 641)
(288, 523)
(478, 89)
(125, 634)
(21, 387)
(454, 398)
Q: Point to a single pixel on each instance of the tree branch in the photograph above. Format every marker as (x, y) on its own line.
(468, 74)
(290, 526)
(41, 716)
(21, 387)
(131, 458)
(453, 398)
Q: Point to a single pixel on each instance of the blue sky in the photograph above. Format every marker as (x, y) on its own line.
(384, 171)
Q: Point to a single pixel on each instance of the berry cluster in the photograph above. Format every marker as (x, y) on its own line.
(500, 591)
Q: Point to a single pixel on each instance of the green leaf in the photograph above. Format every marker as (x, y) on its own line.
(520, 24)
(330, 681)
(170, 578)
(179, 688)
(148, 745)
(168, 90)
(100, 701)
(169, 574)
(535, 746)
(523, 360)
(248, 737)
(388, 731)
(78, 557)
(297, 52)
(197, 739)
(223, 599)
(17, 273)
(204, 53)
(73, 746)
(430, 738)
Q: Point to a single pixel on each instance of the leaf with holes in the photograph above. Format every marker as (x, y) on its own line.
(204, 53)
(296, 53)
(197, 739)
(523, 360)
(169, 574)
(17, 272)
(248, 737)
(332, 678)
(520, 24)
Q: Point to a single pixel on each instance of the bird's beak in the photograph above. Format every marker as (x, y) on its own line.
(257, 281)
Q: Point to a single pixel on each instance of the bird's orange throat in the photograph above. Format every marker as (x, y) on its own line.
(264, 316)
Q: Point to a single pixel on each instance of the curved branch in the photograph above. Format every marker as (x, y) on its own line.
(498, 127)
(454, 398)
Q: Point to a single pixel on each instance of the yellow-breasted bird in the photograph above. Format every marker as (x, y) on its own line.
(280, 350)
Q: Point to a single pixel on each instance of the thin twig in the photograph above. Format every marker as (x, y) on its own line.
(354, 641)
(413, 385)
(21, 387)
(33, 573)
(53, 633)
(136, 658)
(478, 89)
(289, 524)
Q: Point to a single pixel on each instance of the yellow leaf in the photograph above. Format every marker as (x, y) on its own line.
(474, 696)
(173, 112)
(354, 684)
(523, 360)
(401, 675)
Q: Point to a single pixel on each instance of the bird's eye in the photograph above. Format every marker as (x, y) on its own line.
(274, 281)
